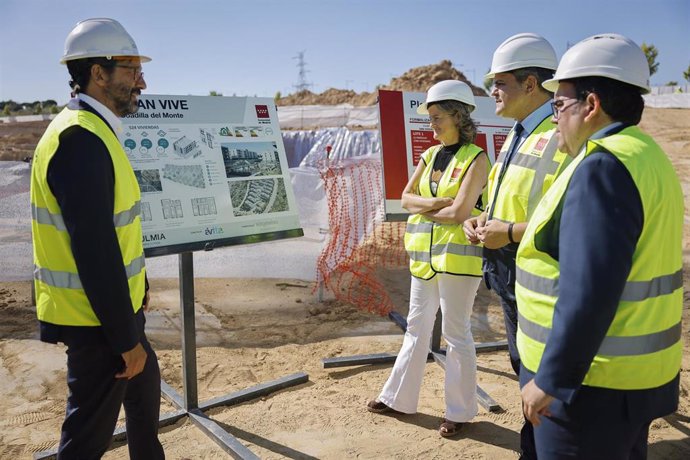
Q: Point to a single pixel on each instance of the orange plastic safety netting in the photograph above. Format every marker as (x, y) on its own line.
(361, 243)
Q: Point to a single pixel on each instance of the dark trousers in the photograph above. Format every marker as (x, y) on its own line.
(95, 398)
(509, 304)
(510, 319)
(596, 425)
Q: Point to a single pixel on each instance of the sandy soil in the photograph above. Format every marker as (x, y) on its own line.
(251, 331)
(18, 140)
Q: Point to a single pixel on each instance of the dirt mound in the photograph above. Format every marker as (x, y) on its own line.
(18, 140)
(415, 79)
(331, 96)
(421, 78)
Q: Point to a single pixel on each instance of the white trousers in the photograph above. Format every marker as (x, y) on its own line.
(456, 296)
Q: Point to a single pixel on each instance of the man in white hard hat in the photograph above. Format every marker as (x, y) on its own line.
(599, 269)
(526, 167)
(89, 273)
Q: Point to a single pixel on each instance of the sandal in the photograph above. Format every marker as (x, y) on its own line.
(448, 428)
(378, 407)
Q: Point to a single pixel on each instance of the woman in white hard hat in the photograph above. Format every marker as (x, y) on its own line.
(444, 191)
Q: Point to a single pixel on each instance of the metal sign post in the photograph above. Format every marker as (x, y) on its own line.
(190, 404)
(189, 377)
(212, 172)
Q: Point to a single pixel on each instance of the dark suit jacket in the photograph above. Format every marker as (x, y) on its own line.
(594, 240)
(82, 178)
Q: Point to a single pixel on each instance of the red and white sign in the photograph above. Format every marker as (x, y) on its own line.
(421, 141)
(405, 135)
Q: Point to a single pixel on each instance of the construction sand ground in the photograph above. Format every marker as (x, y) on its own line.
(251, 331)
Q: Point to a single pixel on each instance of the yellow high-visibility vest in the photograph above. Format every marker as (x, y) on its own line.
(443, 248)
(530, 173)
(60, 297)
(642, 348)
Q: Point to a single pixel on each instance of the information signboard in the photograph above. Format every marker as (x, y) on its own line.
(212, 172)
(405, 135)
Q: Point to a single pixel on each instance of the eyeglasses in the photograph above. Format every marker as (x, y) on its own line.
(138, 73)
(558, 107)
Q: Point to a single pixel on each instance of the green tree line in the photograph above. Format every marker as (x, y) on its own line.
(11, 107)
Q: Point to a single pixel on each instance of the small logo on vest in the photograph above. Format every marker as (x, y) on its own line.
(539, 147)
(541, 144)
(455, 174)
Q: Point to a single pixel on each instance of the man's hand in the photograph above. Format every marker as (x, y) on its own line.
(494, 234)
(535, 402)
(470, 227)
(134, 359)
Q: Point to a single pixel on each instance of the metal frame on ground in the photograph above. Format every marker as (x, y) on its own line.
(436, 353)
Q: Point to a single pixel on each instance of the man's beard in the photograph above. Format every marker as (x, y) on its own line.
(121, 96)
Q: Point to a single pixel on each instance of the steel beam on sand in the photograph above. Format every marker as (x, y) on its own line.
(436, 353)
(188, 404)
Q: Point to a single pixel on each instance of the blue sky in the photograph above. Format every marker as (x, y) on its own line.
(249, 47)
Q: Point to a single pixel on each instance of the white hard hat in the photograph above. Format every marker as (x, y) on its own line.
(606, 55)
(520, 51)
(99, 37)
(445, 90)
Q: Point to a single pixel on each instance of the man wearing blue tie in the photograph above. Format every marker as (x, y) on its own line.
(526, 167)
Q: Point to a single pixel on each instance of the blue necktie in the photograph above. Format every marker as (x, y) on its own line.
(517, 130)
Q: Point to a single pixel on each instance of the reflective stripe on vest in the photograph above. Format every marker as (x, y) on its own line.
(419, 227)
(634, 291)
(69, 280)
(442, 248)
(530, 173)
(60, 297)
(614, 346)
(44, 216)
(642, 347)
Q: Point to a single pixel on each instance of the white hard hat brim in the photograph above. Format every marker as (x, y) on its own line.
(142, 58)
(516, 66)
(453, 90)
(100, 37)
(611, 56)
(423, 109)
(552, 84)
(522, 51)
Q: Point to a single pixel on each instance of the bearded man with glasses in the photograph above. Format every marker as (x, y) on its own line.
(90, 278)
